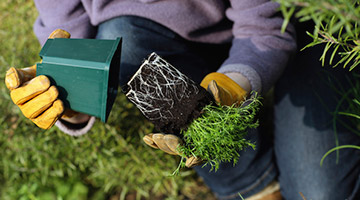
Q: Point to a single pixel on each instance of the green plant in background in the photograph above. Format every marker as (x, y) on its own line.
(336, 25)
(108, 162)
(337, 148)
(347, 111)
(219, 133)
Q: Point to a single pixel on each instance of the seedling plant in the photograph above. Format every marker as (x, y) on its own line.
(218, 135)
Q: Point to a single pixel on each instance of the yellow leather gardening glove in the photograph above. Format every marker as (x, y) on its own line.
(36, 98)
(225, 92)
(169, 144)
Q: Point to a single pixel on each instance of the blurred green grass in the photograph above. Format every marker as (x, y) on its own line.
(110, 162)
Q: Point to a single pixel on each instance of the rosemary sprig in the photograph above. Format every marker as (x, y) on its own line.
(336, 25)
(219, 133)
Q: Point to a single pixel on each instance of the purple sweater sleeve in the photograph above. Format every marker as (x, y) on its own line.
(260, 51)
(53, 15)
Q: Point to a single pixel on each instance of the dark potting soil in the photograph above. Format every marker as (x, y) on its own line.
(166, 97)
(184, 112)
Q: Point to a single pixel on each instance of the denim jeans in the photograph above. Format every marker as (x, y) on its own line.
(305, 129)
(302, 135)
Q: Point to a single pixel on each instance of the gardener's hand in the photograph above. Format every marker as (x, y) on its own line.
(225, 90)
(169, 143)
(36, 98)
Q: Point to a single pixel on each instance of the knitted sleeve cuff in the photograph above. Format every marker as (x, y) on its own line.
(248, 72)
(72, 129)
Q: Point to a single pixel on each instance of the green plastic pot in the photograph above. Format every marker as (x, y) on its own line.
(85, 71)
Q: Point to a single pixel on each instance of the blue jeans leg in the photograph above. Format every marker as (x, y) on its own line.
(254, 170)
(142, 37)
(304, 131)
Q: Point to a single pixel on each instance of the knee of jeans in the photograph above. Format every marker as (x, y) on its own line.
(317, 193)
(316, 189)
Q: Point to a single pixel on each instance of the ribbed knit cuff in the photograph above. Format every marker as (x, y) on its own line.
(75, 132)
(248, 72)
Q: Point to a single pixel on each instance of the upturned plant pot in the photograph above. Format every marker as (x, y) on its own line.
(85, 71)
(165, 96)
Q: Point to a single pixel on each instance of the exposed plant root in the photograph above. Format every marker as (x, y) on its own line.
(157, 88)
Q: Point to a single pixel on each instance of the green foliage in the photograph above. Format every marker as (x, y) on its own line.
(349, 105)
(346, 114)
(219, 133)
(337, 148)
(111, 161)
(336, 25)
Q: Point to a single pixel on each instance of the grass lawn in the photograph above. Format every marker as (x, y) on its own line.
(110, 162)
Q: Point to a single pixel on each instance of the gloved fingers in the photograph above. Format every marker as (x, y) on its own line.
(14, 78)
(213, 89)
(149, 141)
(47, 119)
(68, 113)
(193, 161)
(220, 94)
(40, 103)
(158, 139)
(173, 142)
(229, 92)
(30, 89)
(169, 144)
(74, 117)
(59, 33)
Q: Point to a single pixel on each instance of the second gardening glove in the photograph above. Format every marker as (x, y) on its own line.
(36, 98)
(225, 92)
(169, 143)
